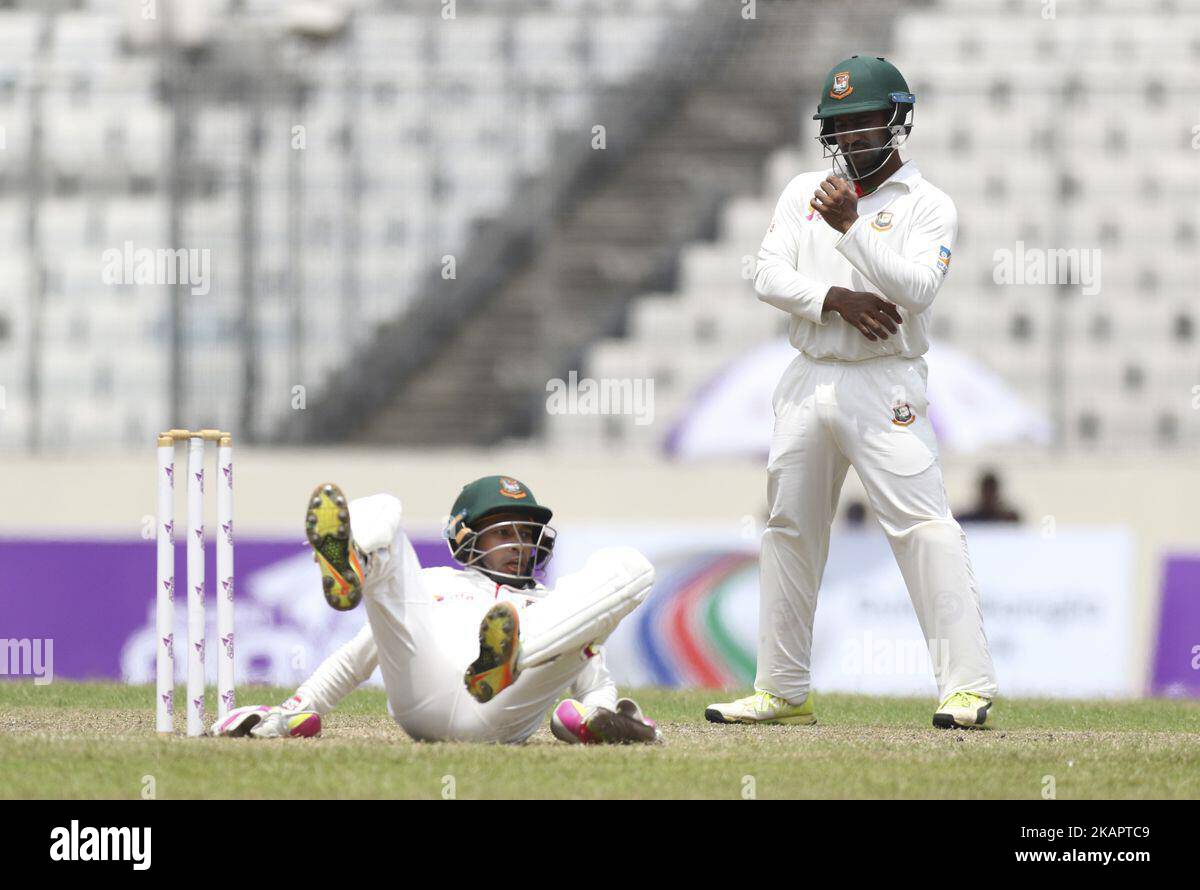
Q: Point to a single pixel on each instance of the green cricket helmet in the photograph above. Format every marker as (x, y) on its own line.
(856, 85)
(528, 542)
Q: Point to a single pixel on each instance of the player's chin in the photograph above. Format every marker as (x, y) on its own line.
(868, 161)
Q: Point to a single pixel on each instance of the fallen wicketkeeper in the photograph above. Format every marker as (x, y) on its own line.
(423, 625)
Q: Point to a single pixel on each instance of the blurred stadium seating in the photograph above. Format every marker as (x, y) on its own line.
(425, 139)
(1038, 130)
(411, 130)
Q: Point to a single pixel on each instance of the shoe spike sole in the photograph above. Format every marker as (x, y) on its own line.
(498, 639)
(327, 525)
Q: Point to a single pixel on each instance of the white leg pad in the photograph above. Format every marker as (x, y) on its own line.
(586, 606)
(375, 521)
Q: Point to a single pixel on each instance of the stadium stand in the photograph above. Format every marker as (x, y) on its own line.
(412, 130)
(1014, 130)
(422, 142)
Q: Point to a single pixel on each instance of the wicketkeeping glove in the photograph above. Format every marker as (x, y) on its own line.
(266, 722)
(576, 725)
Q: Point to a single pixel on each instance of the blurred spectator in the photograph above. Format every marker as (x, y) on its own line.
(856, 514)
(991, 506)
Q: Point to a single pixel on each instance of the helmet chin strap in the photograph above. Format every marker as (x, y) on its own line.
(847, 164)
(506, 580)
(530, 559)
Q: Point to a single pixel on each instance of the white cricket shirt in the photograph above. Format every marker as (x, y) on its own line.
(899, 248)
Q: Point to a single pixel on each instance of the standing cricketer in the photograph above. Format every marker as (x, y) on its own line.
(856, 256)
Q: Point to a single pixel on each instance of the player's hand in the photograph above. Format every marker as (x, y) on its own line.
(874, 316)
(266, 722)
(571, 722)
(837, 202)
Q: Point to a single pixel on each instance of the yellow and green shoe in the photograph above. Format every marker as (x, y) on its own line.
(327, 523)
(762, 707)
(499, 648)
(964, 710)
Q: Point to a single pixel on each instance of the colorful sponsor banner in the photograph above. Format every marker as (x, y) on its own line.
(1058, 611)
(95, 601)
(1177, 653)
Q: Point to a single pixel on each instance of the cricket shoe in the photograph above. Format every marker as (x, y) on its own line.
(327, 524)
(762, 707)
(963, 710)
(499, 648)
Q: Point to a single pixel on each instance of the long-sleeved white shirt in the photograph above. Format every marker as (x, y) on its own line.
(899, 248)
(354, 662)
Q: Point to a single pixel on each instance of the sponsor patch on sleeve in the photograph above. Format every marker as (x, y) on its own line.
(943, 262)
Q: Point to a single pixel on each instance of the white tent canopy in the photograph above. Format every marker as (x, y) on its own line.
(970, 406)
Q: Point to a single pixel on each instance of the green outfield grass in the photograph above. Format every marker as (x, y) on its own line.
(98, 741)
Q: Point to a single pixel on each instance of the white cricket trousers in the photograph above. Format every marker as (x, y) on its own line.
(830, 415)
(425, 647)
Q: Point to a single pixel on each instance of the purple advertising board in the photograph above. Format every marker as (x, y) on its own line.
(94, 601)
(1177, 653)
